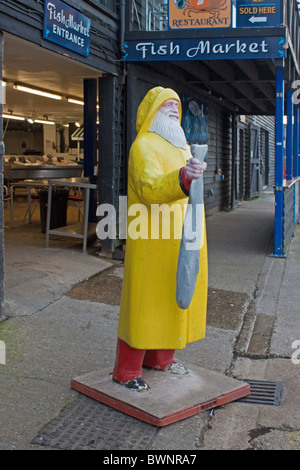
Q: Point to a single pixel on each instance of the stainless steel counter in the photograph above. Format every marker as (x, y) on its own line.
(81, 230)
(23, 172)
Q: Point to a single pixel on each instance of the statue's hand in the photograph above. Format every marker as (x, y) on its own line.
(194, 169)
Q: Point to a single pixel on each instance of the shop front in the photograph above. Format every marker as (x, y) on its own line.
(60, 72)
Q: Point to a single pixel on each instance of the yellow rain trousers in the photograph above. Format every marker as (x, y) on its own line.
(149, 315)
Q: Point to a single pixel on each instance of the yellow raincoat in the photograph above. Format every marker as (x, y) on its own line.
(149, 315)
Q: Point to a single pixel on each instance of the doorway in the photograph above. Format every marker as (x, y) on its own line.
(265, 156)
(255, 177)
(241, 161)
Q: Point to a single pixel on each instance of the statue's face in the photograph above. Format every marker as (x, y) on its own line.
(171, 109)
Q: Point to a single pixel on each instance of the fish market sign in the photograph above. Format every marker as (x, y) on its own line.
(205, 49)
(67, 27)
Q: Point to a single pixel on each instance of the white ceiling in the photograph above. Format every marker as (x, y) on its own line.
(34, 66)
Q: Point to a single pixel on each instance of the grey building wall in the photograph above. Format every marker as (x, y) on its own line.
(266, 146)
(217, 191)
(1, 193)
(217, 178)
(228, 176)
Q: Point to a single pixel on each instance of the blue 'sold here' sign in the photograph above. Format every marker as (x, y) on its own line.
(257, 13)
(67, 27)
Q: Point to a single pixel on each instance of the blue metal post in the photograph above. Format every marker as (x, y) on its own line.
(289, 134)
(297, 152)
(296, 141)
(298, 156)
(279, 128)
(90, 137)
(90, 125)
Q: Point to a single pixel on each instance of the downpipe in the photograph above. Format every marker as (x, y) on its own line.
(122, 28)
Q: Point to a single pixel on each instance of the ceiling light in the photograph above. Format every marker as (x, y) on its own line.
(71, 100)
(12, 116)
(40, 121)
(37, 92)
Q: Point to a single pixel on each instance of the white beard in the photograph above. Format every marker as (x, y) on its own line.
(169, 129)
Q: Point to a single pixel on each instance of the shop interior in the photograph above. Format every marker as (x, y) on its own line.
(42, 95)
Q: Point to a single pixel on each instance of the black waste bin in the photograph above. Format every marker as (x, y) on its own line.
(59, 206)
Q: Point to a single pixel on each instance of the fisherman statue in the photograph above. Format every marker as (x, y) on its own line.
(164, 296)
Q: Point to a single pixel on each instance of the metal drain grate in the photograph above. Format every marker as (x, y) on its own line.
(264, 393)
(89, 425)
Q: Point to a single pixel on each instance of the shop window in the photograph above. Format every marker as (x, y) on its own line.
(149, 15)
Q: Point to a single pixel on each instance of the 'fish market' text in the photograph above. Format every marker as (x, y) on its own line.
(149, 49)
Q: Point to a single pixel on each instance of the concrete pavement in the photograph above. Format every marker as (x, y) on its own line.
(253, 332)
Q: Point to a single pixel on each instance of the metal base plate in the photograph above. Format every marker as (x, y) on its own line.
(171, 397)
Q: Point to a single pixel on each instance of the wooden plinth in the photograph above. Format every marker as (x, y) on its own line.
(171, 397)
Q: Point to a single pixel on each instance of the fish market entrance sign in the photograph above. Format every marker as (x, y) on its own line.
(67, 27)
(205, 49)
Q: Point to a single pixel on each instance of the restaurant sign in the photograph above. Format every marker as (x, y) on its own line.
(205, 49)
(67, 27)
(190, 14)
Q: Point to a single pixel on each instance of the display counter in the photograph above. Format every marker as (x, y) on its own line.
(21, 167)
(24, 172)
(81, 230)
